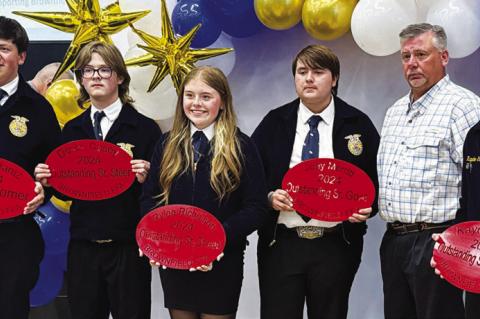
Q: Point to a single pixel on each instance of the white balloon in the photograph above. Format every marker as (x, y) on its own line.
(159, 104)
(152, 23)
(376, 24)
(461, 21)
(224, 62)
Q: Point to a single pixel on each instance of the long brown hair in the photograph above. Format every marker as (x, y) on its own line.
(226, 155)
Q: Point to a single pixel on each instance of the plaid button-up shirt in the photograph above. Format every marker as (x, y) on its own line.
(420, 155)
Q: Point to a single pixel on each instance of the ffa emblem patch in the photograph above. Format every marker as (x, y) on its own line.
(354, 145)
(18, 126)
(127, 148)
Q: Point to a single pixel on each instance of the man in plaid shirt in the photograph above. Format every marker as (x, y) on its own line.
(419, 167)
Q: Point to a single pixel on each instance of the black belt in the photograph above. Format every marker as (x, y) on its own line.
(404, 228)
(309, 232)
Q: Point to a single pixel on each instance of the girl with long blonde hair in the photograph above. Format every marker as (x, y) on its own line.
(205, 161)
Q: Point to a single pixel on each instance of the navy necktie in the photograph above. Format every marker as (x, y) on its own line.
(97, 129)
(199, 143)
(310, 146)
(2, 95)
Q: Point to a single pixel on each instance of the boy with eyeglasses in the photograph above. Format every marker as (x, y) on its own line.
(105, 274)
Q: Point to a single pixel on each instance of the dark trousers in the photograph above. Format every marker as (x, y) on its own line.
(472, 306)
(108, 278)
(317, 271)
(21, 251)
(410, 287)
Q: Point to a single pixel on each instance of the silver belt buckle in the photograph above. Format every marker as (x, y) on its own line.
(103, 241)
(309, 232)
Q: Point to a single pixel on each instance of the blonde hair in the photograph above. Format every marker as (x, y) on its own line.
(226, 166)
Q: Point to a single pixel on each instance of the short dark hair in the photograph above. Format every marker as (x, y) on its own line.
(318, 56)
(10, 29)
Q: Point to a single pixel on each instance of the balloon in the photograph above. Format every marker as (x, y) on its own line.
(461, 21)
(187, 14)
(55, 227)
(88, 22)
(48, 284)
(170, 54)
(62, 95)
(224, 62)
(159, 104)
(279, 14)
(236, 17)
(377, 23)
(152, 23)
(327, 19)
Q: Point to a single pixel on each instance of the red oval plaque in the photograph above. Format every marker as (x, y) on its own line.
(457, 254)
(16, 189)
(180, 236)
(328, 189)
(90, 170)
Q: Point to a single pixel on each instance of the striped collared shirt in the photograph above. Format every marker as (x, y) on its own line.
(420, 155)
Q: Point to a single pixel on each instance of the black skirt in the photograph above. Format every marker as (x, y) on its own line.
(214, 292)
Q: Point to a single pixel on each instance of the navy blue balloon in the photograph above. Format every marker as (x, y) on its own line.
(55, 227)
(236, 17)
(48, 284)
(187, 14)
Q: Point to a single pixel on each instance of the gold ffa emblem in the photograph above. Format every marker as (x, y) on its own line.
(354, 145)
(18, 126)
(127, 148)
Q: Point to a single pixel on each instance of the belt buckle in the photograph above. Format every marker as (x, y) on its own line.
(309, 232)
(103, 241)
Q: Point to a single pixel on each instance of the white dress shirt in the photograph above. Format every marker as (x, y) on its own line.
(111, 114)
(325, 131)
(209, 131)
(11, 87)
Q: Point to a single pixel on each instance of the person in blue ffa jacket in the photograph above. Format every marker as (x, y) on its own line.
(302, 260)
(469, 204)
(28, 132)
(205, 161)
(105, 274)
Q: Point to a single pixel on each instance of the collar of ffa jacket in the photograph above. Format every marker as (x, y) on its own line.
(128, 116)
(343, 111)
(24, 95)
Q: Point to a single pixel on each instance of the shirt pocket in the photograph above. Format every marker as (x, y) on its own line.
(420, 161)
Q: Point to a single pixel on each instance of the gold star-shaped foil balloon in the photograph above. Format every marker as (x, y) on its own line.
(170, 54)
(88, 22)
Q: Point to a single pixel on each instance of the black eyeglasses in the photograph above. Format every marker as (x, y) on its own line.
(104, 72)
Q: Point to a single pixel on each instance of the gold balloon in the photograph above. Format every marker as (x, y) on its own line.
(171, 55)
(63, 206)
(327, 19)
(88, 22)
(279, 14)
(62, 95)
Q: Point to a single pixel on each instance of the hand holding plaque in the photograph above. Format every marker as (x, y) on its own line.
(329, 189)
(16, 190)
(181, 237)
(456, 256)
(90, 170)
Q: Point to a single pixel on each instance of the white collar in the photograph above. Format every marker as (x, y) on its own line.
(111, 112)
(12, 86)
(328, 114)
(209, 131)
